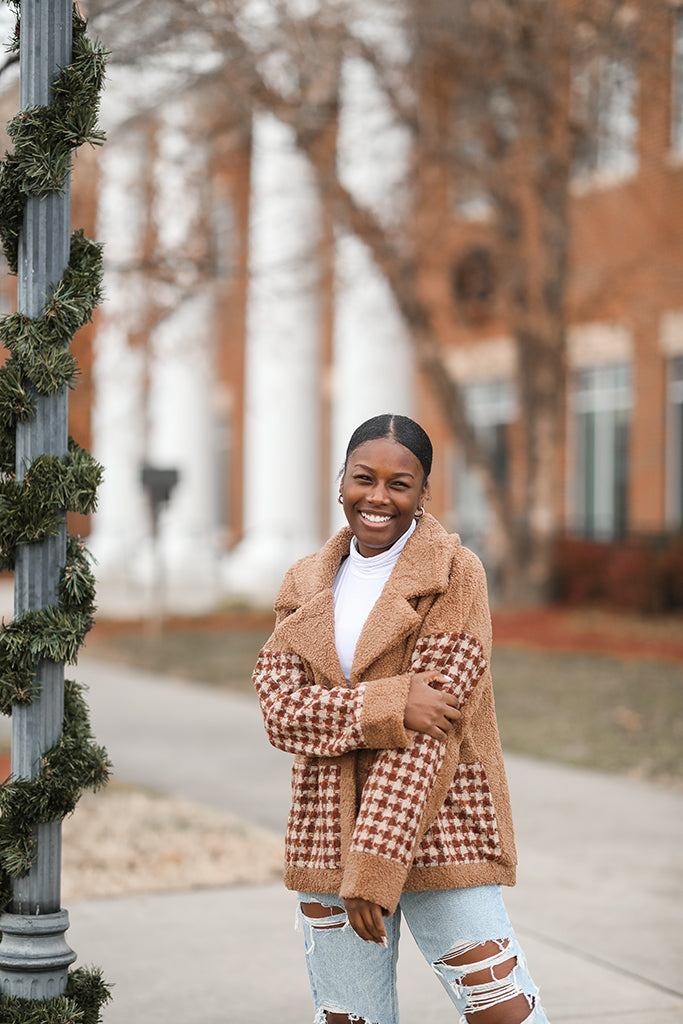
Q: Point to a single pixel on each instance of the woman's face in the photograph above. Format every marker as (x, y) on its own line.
(382, 489)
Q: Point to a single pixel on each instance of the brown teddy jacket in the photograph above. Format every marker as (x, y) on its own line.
(378, 809)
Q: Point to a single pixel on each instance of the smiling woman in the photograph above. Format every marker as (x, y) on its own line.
(377, 678)
(385, 480)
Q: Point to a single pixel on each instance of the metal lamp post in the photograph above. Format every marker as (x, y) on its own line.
(34, 955)
(158, 484)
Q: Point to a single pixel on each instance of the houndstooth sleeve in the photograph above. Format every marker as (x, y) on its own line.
(302, 717)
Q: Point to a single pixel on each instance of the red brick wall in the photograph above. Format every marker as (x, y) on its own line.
(626, 260)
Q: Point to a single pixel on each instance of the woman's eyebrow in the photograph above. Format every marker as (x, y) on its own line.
(369, 469)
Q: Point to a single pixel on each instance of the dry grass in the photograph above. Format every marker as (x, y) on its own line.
(124, 841)
(606, 713)
(220, 658)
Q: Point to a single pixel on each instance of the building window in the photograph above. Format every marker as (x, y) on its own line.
(473, 281)
(601, 411)
(605, 91)
(674, 467)
(677, 82)
(223, 234)
(470, 199)
(472, 123)
(491, 407)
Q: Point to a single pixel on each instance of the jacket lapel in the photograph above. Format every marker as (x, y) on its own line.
(390, 621)
(422, 568)
(309, 629)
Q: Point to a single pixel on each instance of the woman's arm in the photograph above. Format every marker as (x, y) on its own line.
(302, 717)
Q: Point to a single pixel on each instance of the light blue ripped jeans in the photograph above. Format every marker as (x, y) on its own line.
(358, 978)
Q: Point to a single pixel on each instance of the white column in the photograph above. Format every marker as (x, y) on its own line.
(118, 409)
(281, 476)
(373, 369)
(181, 430)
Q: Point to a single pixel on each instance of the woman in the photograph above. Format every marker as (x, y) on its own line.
(377, 677)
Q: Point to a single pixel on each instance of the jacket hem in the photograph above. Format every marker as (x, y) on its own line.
(419, 879)
(460, 876)
(301, 879)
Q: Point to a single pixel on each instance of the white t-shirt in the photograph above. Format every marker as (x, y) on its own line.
(357, 585)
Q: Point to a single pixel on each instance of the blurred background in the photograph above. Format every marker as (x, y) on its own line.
(315, 212)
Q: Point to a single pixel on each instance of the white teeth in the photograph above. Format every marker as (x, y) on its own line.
(375, 519)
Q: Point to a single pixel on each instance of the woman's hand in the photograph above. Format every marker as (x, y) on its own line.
(367, 920)
(428, 710)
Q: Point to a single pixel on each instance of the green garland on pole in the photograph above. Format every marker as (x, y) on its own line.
(45, 137)
(85, 994)
(40, 363)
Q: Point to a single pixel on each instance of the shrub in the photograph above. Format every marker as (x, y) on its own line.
(639, 574)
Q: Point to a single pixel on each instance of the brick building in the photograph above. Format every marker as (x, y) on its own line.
(623, 447)
(243, 338)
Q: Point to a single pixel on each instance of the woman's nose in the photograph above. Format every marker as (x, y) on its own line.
(378, 494)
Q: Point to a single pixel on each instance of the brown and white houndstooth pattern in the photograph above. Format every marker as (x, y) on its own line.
(314, 826)
(304, 718)
(465, 829)
(460, 657)
(394, 799)
(400, 781)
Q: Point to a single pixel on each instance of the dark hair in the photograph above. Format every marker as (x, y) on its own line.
(402, 429)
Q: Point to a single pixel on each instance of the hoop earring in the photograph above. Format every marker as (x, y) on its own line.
(340, 498)
(420, 512)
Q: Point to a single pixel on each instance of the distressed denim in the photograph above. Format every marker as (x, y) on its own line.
(348, 975)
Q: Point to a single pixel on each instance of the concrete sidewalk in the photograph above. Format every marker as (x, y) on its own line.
(597, 907)
(231, 956)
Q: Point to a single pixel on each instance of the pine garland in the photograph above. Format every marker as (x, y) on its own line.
(51, 795)
(39, 347)
(86, 993)
(45, 137)
(32, 510)
(54, 633)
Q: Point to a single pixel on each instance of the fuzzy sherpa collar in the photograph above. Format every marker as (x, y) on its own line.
(307, 600)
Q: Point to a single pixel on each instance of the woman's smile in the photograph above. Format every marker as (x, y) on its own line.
(373, 517)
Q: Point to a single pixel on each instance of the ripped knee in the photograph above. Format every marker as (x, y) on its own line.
(343, 1018)
(485, 975)
(328, 1016)
(319, 916)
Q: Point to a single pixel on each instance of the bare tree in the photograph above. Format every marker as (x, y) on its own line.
(482, 88)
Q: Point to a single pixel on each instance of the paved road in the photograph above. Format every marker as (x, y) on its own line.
(598, 904)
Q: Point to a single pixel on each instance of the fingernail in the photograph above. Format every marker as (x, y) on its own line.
(385, 942)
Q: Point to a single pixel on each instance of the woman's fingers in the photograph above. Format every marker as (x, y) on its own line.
(442, 730)
(367, 920)
(374, 922)
(452, 711)
(429, 708)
